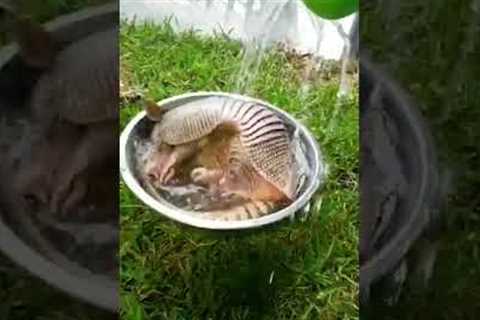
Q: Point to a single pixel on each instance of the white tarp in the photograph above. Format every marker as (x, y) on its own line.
(246, 19)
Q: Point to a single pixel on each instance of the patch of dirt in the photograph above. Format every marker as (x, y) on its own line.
(315, 69)
(128, 91)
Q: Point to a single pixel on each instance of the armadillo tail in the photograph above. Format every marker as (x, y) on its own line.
(154, 111)
(245, 211)
(37, 47)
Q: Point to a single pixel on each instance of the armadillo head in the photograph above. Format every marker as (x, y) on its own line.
(34, 184)
(165, 160)
(159, 167)
(36, 161)
(37, 46)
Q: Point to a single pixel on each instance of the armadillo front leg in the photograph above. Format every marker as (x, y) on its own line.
(97, 144)
(207, 177)
(76, 195)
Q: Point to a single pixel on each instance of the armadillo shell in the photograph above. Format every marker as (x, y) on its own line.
(81, 90)
(190, 122)
(263, 135)
(245, 211)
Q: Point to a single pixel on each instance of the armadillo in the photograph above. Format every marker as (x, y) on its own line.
(82, 85)
(79, 86)
(260, 163)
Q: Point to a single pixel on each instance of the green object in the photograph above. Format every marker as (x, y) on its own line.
(332, 9)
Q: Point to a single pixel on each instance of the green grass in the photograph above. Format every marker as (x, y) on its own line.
(433, 49)
(169, 271)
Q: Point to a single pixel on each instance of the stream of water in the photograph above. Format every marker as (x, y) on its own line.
(256, 43)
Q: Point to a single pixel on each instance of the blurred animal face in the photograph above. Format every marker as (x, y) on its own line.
(36, 163)
(35, 173)
(159, 167)
(165, 162)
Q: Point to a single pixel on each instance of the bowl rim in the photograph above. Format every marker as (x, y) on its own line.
(183, 216)
(393, 251)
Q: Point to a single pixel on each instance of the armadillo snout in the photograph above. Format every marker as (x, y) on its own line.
(160, 165)
(159, 173)
(33, 193)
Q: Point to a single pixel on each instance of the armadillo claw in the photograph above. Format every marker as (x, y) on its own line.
(75, 197)
(201, 176)
(57, 197)
(204, 176)
(67, 195)
(169, 175)
(198, 174)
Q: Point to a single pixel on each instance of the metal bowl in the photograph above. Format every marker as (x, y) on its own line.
(18, 244)
(135, 130)
(415, 211)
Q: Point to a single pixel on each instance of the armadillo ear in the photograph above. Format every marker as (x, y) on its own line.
(37, 46)
(154, 111)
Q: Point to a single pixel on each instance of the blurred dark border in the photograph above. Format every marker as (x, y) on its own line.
(23, 296)
(432, 49)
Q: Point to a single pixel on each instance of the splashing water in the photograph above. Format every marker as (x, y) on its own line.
(348, 55)
(266, 18)
(306, 86)
(344, 87)
(258, 24)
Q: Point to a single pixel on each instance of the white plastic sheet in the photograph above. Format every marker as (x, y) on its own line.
(245, 19)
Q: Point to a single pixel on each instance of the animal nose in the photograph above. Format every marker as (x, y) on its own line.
(153, 175)
(151, 170)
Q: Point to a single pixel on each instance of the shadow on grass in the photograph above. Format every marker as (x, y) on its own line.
(229, 273)
(249, 276)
